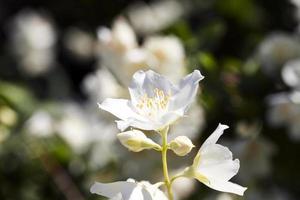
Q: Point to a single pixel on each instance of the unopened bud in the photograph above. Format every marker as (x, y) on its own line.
(181, 145)
(137, 141)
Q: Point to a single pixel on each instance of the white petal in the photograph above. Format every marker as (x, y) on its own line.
(226, 186)
(169, 118)
(144, 125)
(120, 108)
(213, 138)
(146, 82)
(136, 85)
(128, 190)
(187, 90)
(216, 163)
(152, 192)
(117, 197)
(123, 35)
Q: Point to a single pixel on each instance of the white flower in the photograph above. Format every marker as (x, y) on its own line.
(191, 125)
(100, 85)
(155, 102)
(149, 18)
(213, 165)
(183, 188)
(120, 38)
(128, 190)
(285, 110)
(40, 124)
(137, 141)
(167, 51)
(80, 43)
(291, 73)
(275, 50)
(33, 40)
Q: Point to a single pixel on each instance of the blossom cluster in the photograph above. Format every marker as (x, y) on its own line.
(155, 104)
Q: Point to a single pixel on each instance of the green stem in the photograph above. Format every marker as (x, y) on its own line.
(164, 134)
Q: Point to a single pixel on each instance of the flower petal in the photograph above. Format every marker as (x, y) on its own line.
(186, 92)
(226, 186)
(213, 138)
(144, 125)
(128, 190)
(117, 197)
(146, 83)
(216, 163)
(120, 108)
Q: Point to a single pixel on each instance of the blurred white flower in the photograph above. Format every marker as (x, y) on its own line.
(183, 187)
(213, 165)
(167, 54)
(100, 85)
(80, 128)
(33, 39)
(275, 50)
(120, 53)
(297, 4)
(155, 102)
(40, 124)
(80, 43)
(129, 190)
(291, 74)
(190, 125)
(155, 16)
(285, 110)
(119, 39)
(256, 155)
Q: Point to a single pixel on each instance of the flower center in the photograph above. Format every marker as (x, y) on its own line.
(153, 106)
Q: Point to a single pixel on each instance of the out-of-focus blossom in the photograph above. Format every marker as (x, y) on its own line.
(120, 38)
(33, 39)
(80, 43)
(155, 102)
(285, 110)
(80, 128)
(155, 16)
(190, 125)
(100, 85)
(291, 74)
(119, 51)
(297, 4)
(167, 56)
(248, 129)
(213, 165)
(256, 155)
(40, 124)
(275, 50)
(128, 190)
(254, 151)
(183, 187)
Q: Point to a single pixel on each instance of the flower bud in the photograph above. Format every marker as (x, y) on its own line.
(137, 141)
(181, 145)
